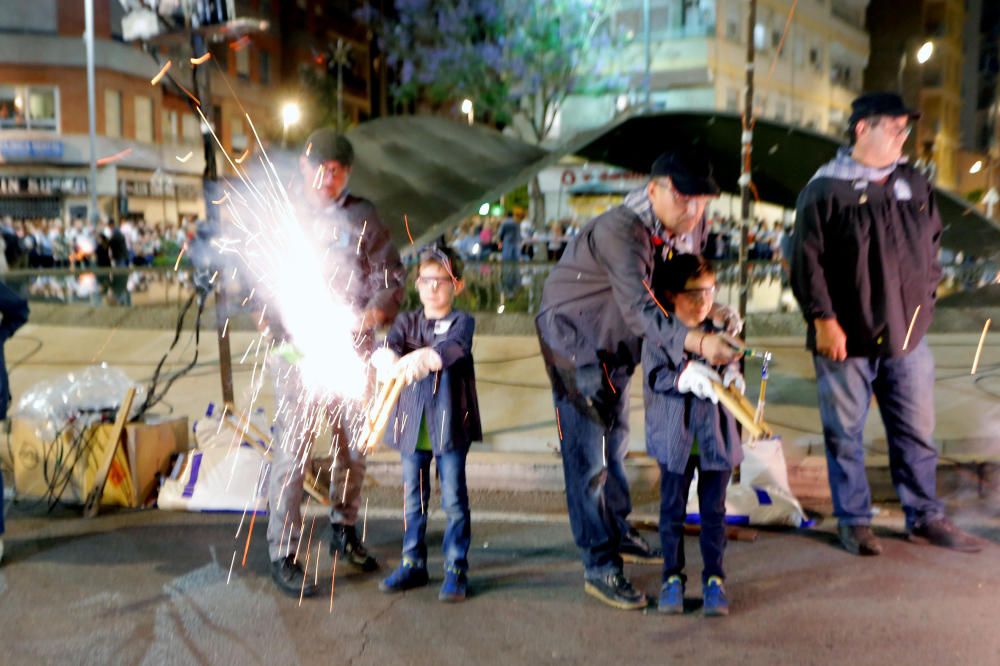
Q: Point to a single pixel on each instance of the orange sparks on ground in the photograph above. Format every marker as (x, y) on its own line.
(906, 341)
(114, 158)
(163, 72)
(201, 59)
(180, 255)
(246, 548)
(655, 300)
(979, 349)
(406, 221)
(184, 159)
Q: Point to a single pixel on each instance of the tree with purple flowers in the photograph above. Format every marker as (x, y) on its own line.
(517, 60)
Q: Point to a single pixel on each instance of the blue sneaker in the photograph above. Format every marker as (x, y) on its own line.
(672, 596)
(716, 603)
(406, 577)
(454, 586)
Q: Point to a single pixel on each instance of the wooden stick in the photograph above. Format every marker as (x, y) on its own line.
(93, 502)
(378, 417)
(979, 349)
(736, 407)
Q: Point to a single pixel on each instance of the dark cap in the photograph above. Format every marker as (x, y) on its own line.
(327, 144)
(690, 172)
(879, 104)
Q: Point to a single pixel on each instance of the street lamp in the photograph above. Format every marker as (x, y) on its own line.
(291, 114)
(467, 109)
(976, 167)
(924, 54)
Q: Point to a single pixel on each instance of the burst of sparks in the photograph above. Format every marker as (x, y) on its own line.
(180, 255)
(364, 522)
(163, 72)
(201, 59)
(979, 349)
(333, 577)
(121, 154)
(246, 548)
(906, 341)
(406, 222)
(184, 159)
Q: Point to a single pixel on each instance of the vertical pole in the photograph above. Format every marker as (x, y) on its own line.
(647, 81)
(91, 110)
(340, 56)
(746, 145)
(209, 184)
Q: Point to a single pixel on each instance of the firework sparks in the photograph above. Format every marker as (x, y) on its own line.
(906, 341)
(364, 522)
(201, 59)
(184, 159)
(406, 222)
(246, 549)
(651, 295)
(231, 563)
(333, 577)
(558, 425)
(163, 72)
(121, 154)
(979, 349)
(180, 255)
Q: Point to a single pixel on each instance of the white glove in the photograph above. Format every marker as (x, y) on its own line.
(727, 318)
(733, 377)
(418, 364)
(697, 378)
(383, 360)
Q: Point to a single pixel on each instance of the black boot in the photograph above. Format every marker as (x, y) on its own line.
(637, 550)
(344, 538)
(290, 579)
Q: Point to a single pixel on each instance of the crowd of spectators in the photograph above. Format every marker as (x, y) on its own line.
(54, 243)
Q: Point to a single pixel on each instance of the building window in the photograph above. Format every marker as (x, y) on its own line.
(143, 107)
(243, 63)
(816, 58)
(190, 128)
(265, 67)
(169, 126)
(29, 107)
(112, 113)
(732, 99)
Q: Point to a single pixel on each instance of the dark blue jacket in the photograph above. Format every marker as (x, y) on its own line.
(14, 310)
(674, 419)
(446, 399)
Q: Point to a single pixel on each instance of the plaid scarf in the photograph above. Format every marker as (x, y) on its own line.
(845, 167)
(638, 202)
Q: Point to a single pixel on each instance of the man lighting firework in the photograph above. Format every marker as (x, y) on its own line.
(361, 262)
(865, 270)
(597, 311)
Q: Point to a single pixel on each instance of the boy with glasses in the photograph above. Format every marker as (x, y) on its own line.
(436, 418)
(687, 430)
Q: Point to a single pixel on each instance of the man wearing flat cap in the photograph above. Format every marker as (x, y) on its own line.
(596, 313)
(364, 263)
(865, 271)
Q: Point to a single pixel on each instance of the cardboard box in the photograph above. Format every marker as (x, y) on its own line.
(147, 446)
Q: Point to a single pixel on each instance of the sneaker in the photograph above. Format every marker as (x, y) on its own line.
(672, 596)
(942, 532)
(716, 604)
(637, 550)
(454, 586)
(344, 538)
(859, 540)
(290, 579)
(614, 589)
(406, 577)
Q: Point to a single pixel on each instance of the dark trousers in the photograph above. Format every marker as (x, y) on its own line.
(712, 507)
(454, 501)
(904, 389)
(592, 416)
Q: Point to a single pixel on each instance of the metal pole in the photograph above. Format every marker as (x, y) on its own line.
(647, 81)
(91, 110)
(900, 71)
(746, 145)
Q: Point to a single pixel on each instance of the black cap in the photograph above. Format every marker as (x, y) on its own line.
(690, 172)
(327, 144)
(879, 104)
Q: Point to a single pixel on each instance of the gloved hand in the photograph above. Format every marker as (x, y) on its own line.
(727, 318)
(697, 378)
(383, 360)
(418, 364)
(288, 352)
(733, 377)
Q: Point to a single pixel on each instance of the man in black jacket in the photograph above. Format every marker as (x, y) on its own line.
(865, 271)
(597, 311)
(366, 265)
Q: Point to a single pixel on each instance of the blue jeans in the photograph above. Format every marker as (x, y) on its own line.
(904, 389)
(673, 510)
(454, 501)
(593, 424)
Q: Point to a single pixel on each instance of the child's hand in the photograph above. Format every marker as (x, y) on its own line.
(383, 360)
(697, 378)
(418, 364)
(733, 377)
